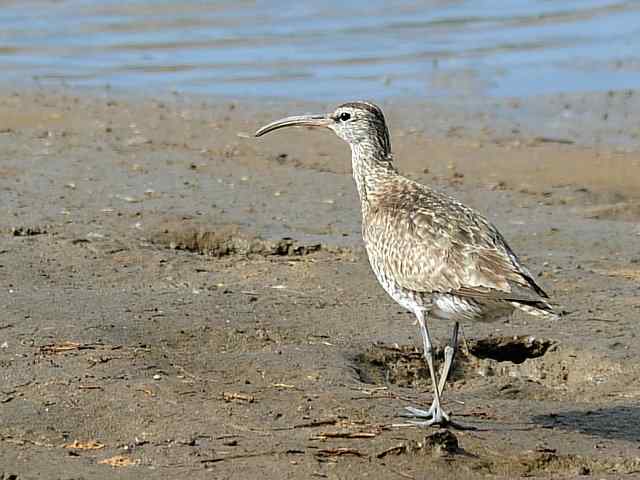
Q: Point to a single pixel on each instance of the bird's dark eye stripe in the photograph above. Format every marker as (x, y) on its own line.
(344, 116)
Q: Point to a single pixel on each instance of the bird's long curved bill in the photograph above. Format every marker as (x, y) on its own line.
(297, 121)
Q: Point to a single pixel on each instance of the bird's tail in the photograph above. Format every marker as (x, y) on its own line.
(537, 308)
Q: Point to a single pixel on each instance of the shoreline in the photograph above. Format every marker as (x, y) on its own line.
(594, 119)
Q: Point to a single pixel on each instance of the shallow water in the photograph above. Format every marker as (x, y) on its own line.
(325, 50)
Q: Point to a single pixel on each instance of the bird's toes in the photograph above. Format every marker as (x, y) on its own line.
(418, 412)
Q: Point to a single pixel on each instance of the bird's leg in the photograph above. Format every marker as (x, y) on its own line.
(435, 414)
(449, 354)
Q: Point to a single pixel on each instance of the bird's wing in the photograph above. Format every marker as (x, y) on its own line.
(438, 245)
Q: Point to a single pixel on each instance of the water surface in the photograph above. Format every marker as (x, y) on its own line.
(325, 50)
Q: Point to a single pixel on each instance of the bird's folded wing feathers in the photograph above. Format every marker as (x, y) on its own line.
(459, 253)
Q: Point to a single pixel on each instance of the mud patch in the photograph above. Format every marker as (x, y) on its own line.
(509, 349)
(531, 366)
(226, 240)
(28, 231)
(441, 443)
(403, 365)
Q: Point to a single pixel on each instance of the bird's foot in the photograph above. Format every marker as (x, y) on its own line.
(433, 416)
(414, 412)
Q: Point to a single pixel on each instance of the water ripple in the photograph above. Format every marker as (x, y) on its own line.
(325, 50)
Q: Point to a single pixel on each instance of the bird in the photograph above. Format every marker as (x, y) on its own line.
(433, 255)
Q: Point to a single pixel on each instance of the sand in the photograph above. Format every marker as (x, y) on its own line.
(181, 300)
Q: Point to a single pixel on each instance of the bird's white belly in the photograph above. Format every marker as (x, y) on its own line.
(452, 307)
(443, 306)
(438, 305)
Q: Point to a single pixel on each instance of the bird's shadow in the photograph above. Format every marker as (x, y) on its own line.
(614, 423)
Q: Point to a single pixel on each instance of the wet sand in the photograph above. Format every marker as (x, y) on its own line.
(181, 299)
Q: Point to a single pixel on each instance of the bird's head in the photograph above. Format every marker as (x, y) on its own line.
(354, 122)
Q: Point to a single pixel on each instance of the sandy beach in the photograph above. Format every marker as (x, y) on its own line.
(181, 300)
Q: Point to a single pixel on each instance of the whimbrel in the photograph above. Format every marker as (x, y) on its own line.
(433, 255)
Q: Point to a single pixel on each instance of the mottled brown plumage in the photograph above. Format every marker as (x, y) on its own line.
(433, 255)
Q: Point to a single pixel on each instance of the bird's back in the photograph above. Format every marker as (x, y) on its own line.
(424, 246)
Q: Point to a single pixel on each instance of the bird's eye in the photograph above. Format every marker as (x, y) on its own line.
(344, 116)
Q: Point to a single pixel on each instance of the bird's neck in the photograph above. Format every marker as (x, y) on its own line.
(372, 164)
